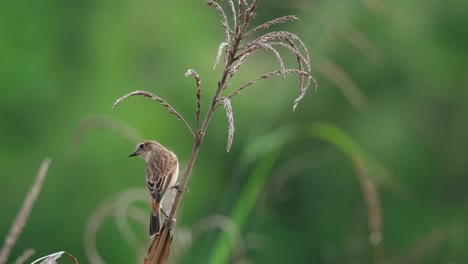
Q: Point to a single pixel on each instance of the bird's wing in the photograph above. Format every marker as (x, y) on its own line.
(150, 186)
(158, 183)
(173, 174)
(153, 180)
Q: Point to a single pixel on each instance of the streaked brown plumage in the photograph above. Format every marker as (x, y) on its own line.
(162, 169)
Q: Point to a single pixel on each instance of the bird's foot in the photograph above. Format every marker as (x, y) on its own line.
(169, 224)
(179, 188)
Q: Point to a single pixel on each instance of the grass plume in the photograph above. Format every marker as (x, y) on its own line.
(52, 258)
(371, 197)
(25, 211)
(158, 99)
(27, 254)
(195, 75)
(230, 117)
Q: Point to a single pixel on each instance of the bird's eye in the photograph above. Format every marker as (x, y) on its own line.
(140, 146)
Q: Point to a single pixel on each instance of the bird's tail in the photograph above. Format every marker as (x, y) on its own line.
(154, 218)
(154, 224)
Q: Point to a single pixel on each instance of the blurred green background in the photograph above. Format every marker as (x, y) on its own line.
(392, 79)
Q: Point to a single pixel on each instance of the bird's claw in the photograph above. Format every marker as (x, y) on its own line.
(179, 188)
(171, 223)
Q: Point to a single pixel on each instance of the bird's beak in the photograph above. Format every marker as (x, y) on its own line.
(133, 154)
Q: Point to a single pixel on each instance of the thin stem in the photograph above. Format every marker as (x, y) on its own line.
(371, 197)
(23, 214)
(27, 254)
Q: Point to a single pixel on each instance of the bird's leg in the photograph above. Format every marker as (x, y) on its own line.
(179, 189)
(166, 217)
(164, 213)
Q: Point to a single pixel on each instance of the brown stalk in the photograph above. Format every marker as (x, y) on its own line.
(422, 248)
(23, 214)
(344, 82)
(371, 197)
(361, 42)
(27, 254)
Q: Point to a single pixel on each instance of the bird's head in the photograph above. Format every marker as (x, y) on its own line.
(145, 149)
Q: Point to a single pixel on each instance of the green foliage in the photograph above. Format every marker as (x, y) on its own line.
(244, 206)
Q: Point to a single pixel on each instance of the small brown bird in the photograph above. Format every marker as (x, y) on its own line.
(162, 169)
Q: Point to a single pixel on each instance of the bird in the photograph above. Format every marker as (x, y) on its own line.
(162, 170)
